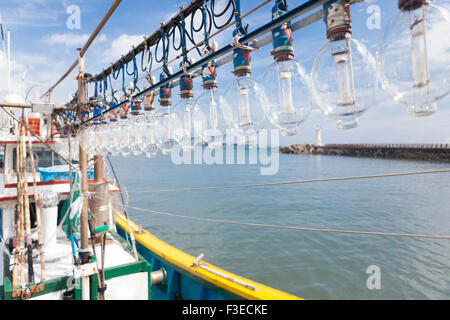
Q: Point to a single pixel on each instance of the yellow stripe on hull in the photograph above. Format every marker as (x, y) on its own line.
(184, 261)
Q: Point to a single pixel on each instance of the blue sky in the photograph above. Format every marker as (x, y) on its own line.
(44, 47)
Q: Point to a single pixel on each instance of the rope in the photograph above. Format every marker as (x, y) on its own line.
(248, 224)
(386, 175)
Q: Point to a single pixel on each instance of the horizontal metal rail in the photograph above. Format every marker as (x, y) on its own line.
(27, 106)
(148, 41)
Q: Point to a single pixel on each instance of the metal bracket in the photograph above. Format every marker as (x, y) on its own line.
(84, 270)
(27, 292)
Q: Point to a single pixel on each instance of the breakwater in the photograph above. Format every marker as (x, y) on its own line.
(428, 152)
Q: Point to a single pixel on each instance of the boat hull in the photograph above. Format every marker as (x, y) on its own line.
(187, 282)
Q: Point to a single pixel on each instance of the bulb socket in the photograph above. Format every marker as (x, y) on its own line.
(165, 92)
(209, 86)
(186, 88)
(409, 5)
(209, 72)
(149, 100)
(165, 102)
(241, 59)
(338, 21)
(136, 108)
(187, 94)
(281, 36)
(285, 56)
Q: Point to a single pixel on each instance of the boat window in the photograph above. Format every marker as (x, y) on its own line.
(43, 158)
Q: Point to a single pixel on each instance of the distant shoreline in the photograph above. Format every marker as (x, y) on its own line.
(428, 152)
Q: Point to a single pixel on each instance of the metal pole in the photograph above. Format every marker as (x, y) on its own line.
(97, 30)
(83, 159)
(98, 168)
(8, 37)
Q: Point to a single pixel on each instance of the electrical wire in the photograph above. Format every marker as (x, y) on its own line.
(385, 175)
(295, 228)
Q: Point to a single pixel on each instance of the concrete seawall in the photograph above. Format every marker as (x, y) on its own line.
(428, 152)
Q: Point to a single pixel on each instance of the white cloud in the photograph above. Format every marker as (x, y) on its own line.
(121, 46)
(31, 13)
(71, 39)
(17, 70)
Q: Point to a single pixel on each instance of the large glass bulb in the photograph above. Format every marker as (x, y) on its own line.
(242, 108)
(188, 129)
(74, 146)
(286, 98)
(210, 117)
(99, 134)
(413, 58)
(91, 141)
(166, 121)
(124, 134)
(83, 137)
(149, 146)
(344, 81)
(135, 125)
(113, 141)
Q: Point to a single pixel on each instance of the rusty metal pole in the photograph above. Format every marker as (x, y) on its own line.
(83, 159)
(98, 168)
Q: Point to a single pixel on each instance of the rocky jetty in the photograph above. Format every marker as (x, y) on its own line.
(427, 152)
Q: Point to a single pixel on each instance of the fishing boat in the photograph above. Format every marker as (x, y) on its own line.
(49, 266)
(66, 233)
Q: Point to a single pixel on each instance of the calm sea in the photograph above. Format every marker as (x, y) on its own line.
(308, 264)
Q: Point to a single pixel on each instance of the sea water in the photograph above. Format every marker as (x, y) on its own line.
(308, 264)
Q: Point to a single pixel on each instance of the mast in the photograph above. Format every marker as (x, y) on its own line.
(83, 159)
(8, 39)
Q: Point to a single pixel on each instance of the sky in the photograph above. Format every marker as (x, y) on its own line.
(43, 46)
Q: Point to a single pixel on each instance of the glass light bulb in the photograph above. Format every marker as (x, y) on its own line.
(83, 138)
(149, 146)
(92, 140)
(98, 133)
(210, 116)
(61, 146)
(113, 140)
(165, 124)
(74, 146)
(135, 125)
(242, 107)
(344, 81)
(123, 139)
(286, 98)
(107, 127)
(187, 131)
(413, 58)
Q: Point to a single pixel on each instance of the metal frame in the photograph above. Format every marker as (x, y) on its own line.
(292, 14)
